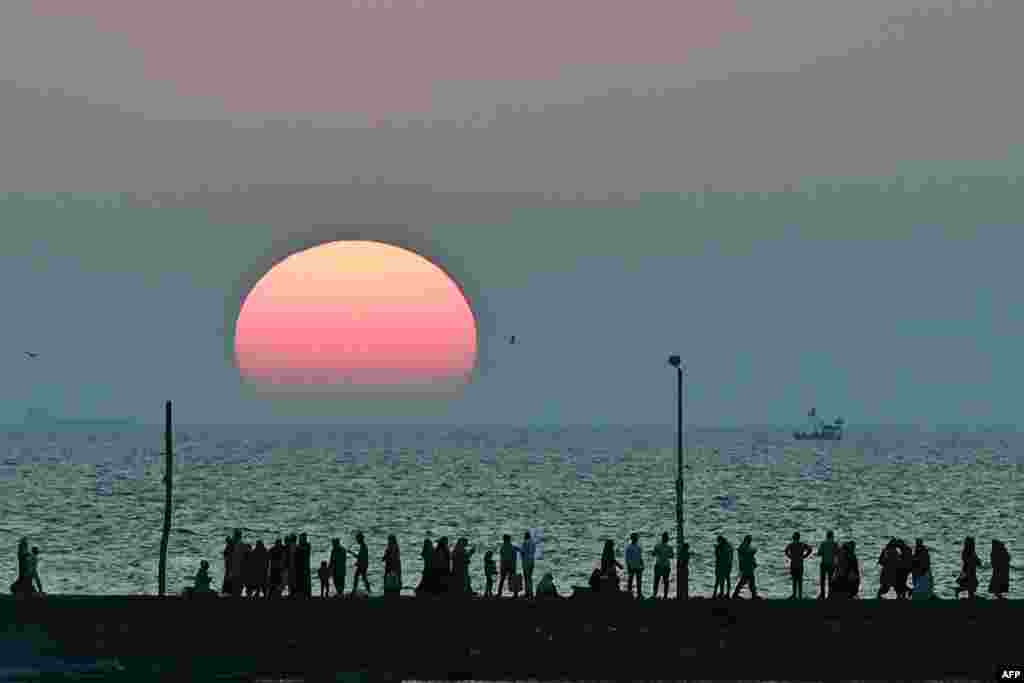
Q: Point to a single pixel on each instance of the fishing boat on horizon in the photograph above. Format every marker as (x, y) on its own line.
(819, 431)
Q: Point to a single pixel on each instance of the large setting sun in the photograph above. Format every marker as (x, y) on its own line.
(356, 316)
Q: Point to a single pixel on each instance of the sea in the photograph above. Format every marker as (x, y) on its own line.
(92, 500)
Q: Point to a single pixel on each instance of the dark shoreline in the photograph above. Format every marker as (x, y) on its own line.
(572, 639)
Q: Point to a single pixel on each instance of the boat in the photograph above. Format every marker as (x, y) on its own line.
(820, 431)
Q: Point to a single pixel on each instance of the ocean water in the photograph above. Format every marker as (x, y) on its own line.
(93, 501)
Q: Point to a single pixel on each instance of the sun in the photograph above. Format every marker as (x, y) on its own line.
(356, 316)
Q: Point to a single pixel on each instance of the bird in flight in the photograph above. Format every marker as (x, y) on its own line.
(512, 339)
(31, 354)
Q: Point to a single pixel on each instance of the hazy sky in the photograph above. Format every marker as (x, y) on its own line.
(815, 202)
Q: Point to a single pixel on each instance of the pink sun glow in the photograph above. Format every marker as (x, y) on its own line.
(356, 315)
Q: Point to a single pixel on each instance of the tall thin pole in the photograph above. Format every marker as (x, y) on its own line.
(168, 471)
(679, 484)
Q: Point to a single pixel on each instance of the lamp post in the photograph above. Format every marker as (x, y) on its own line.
(677, 363)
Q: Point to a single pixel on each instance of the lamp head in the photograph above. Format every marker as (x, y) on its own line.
(675, 361)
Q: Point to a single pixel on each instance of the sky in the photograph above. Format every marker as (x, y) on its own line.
(814, 202)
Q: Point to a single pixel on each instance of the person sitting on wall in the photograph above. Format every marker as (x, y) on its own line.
(202, 582)
(546, 587)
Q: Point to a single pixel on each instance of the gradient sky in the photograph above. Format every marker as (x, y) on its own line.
(815, 202)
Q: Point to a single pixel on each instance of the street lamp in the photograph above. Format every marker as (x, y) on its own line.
(677, 363)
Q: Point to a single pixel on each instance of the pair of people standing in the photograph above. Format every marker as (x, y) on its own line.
(507, 554)
(999, 559)
(337, 565)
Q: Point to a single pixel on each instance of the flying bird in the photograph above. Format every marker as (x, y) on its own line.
(512, 339)
(31, 355)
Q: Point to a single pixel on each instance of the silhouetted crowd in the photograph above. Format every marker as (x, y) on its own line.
(286, 569)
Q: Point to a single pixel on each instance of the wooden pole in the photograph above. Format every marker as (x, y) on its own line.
(168, 471)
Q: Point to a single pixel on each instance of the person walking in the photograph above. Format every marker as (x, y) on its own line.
(634, 565)
(968, 579)
(748, 564)
(827, 551)
(663, 553)
(362, 564)
(797, 552)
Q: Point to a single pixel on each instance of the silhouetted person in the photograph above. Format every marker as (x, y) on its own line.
(304, 555)
(663, 554)
(338, 565)
(228, 551)
(827, 551)
(685, 576)
(32, 569)
(903, 569)
(723, 568)
(797, 552)
(23, 553)
(595, 580)
(442, 567)
(999, 559)
(507, 555)
(546, 587)
(202, 581)
(921, 569)
(889, 560)
(528, 550)
(846, 582)
(23, 584)
(968, 579)
(610, 566)
(427, 555)
(325, 577)
(362, 564)
(276, 569)
(239, 550)
(291, 565)
(634, 565)
(392, 566)
(748, 564)
(256, 570)
(470, 551)
(460, 566)
(490, 571)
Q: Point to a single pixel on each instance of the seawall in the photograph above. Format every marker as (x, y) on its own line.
(515, 639)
